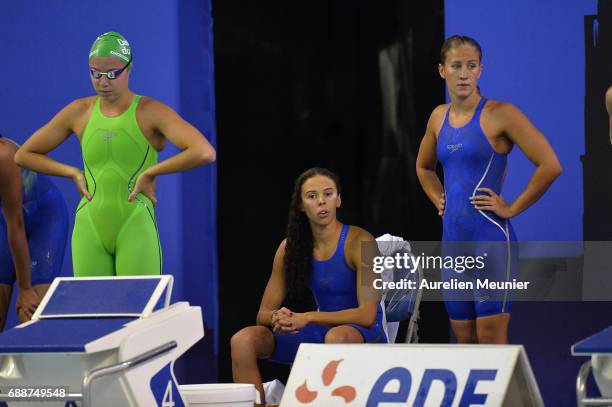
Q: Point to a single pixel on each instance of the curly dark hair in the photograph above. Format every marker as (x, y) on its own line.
(297, 262)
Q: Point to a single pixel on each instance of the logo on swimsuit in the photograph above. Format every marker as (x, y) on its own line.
(108, 136)
(454, 147)
(347, 393)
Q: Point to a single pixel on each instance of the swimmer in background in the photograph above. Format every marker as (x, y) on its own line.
(120, 133)
(33, 232)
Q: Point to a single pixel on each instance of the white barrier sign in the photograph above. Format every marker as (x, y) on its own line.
(411, 375)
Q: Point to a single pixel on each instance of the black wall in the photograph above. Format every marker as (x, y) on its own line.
(299, 85)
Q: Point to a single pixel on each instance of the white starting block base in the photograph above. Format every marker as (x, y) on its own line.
(599, 348)
(218, 395)
(108, 341)
(602, 371)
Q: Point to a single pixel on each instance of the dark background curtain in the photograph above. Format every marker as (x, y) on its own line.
(346, 85)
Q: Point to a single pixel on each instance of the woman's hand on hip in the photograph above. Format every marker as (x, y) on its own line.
(441, 203)
(492, 202)
(145, 184)
(81, 183)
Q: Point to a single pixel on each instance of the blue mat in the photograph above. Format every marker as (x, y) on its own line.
(601, 342)
(85, 297)
(58, 335)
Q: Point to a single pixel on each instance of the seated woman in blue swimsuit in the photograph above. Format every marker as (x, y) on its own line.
(325, 255)
(472, 136)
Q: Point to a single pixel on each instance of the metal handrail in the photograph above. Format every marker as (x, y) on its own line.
(120, 367)
(581, 396)
(67, 397)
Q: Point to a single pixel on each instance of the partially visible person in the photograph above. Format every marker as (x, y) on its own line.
(121, 134)
(33, 232)
(609, 108)
(322, 254)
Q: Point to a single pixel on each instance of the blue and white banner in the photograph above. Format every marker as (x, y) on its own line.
(413, 375)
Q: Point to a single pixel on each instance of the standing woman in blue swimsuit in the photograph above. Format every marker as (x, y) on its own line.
(320, 253)
(33, 231)
(471, 137)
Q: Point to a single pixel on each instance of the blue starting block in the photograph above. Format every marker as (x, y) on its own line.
(104, 341)
(599, 348)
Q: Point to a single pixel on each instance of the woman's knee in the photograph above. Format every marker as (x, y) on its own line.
(493, 329)
(343, 334)
(250, 340)
(245, 338)
(491, 336)
(465, 331)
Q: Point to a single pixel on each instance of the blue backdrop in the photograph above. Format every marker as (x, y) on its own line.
(44, 51)
(534, 57)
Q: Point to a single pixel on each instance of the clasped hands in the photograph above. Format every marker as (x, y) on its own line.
(287, 322)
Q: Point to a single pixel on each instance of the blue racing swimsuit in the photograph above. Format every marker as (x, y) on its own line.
(470, 163)
(46, 223)
(334, 285)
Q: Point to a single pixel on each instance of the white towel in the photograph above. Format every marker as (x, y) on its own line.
(392, 244)
(387, 245)
(274, 392)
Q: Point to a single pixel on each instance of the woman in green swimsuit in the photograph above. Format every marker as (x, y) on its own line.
(115, 231)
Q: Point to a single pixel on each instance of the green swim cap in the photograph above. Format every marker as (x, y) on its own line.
(111, 44)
